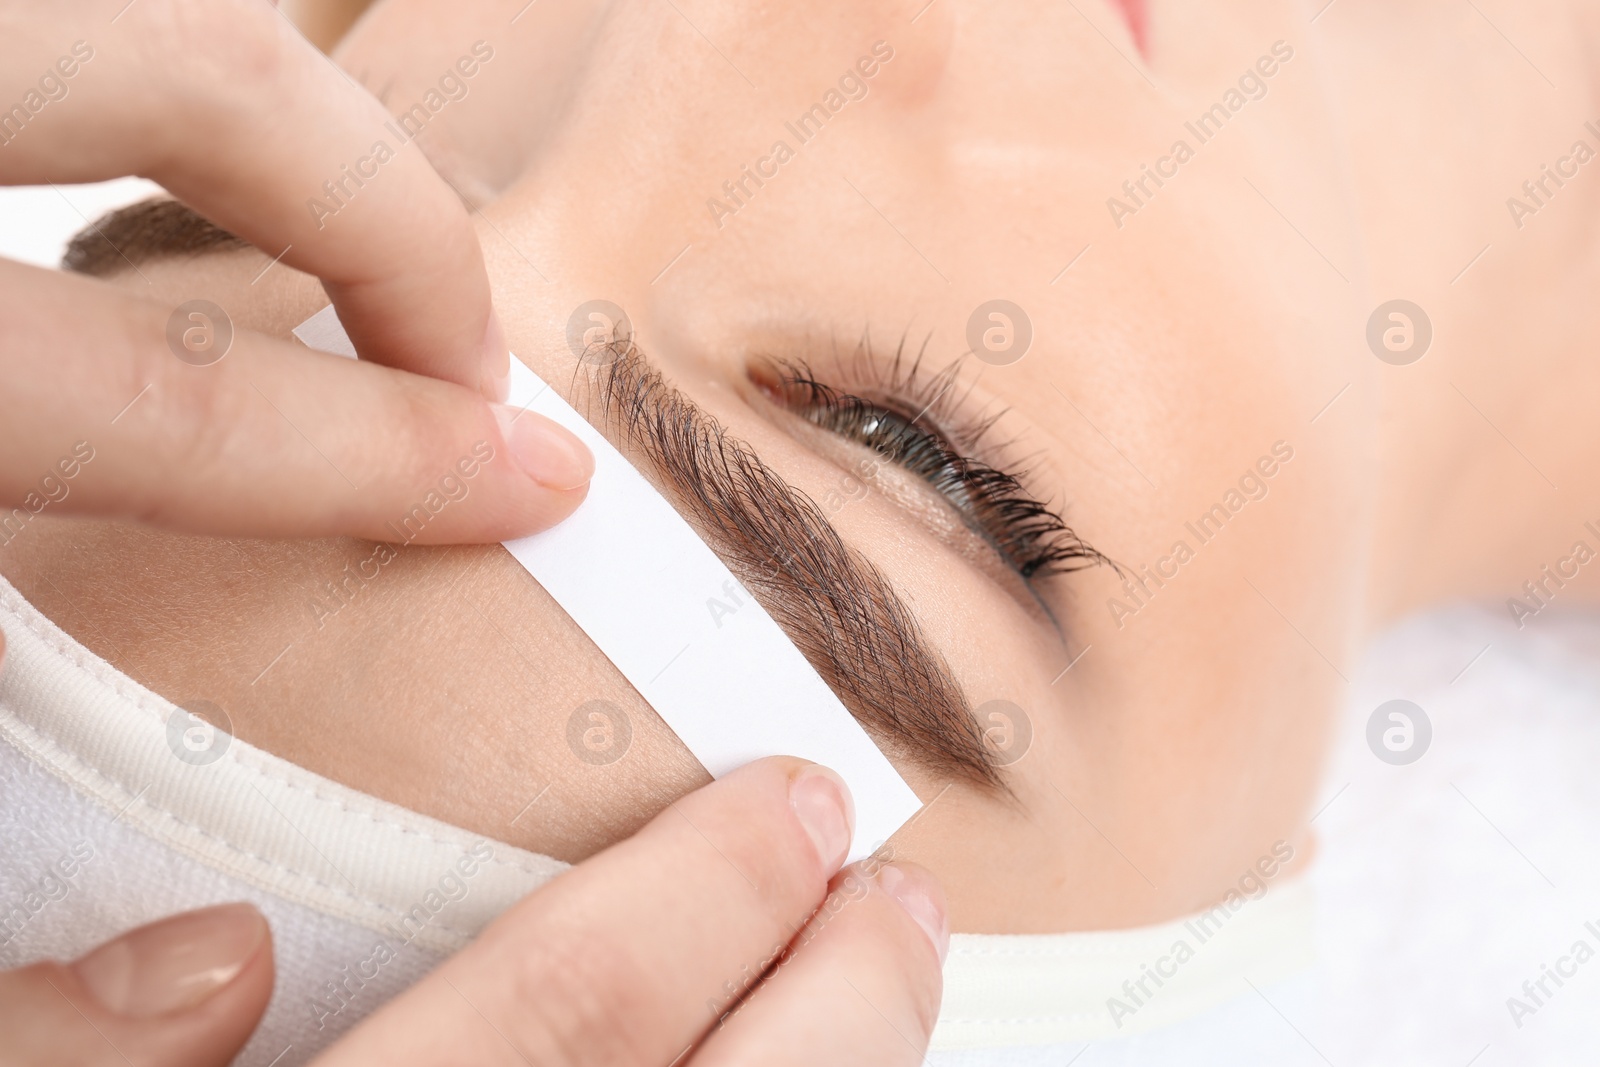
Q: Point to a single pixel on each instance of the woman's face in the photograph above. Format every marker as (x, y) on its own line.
(1190, 404)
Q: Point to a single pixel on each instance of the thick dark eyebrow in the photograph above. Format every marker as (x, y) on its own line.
(149, 230)
(838, 608)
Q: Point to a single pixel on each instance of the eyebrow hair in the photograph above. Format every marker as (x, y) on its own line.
(152, 229)
(841, 611)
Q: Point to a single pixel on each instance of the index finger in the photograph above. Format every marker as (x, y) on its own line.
(633, 955)
(230, 109)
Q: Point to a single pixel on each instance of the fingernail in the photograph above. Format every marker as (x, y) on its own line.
(173, 964)
(547, 452)
(822, 801)
(915, 890)
(496, 360)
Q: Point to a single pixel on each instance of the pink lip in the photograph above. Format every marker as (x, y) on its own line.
(1133, 11)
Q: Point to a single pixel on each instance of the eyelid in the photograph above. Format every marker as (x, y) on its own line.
(1032, 539)
(933, 510)
(872, 472)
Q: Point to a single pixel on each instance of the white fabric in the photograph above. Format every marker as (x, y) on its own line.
(131, 879)
(1433, 906)
(270, 822)
(1432, 901)
(95, 774)
(92, 765)
(1040, 989)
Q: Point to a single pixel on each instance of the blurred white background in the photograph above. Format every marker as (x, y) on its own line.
(37, 221)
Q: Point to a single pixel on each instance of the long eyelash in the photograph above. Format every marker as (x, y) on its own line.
(933, 439)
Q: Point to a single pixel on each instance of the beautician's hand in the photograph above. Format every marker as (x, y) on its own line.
(225, 105)
(629, 958)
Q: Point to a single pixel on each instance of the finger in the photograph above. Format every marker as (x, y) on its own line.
(183, 992)
(271, 440)
(230, 109)
(868, 963)
(629, 957)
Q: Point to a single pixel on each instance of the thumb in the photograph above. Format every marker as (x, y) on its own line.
(186, 991)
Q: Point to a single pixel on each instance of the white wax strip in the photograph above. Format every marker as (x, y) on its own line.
(673, 619)
(324, 332)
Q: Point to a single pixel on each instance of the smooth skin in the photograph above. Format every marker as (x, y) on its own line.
(231, 110)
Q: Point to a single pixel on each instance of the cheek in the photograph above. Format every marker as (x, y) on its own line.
(559, 714)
